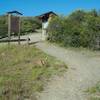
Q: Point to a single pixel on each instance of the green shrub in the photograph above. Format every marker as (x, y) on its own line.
(3, 26)
(28, 25)
(78, 29)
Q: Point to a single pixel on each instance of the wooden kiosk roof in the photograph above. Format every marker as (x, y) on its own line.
(14, 12)
(45, 16)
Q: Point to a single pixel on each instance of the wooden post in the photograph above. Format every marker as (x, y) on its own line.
(19, 31)
(28, 40)
(9, 28)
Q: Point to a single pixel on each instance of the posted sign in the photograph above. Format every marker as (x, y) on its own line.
(15, 24)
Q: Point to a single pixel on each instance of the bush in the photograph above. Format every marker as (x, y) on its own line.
(28, 25)
(3, 26)
(78, 29)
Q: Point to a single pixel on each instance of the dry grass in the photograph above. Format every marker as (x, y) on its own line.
(24, 71)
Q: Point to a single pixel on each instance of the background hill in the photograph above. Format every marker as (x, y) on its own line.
(28, 25)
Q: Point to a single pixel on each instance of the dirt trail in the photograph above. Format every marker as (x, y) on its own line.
(84, 71)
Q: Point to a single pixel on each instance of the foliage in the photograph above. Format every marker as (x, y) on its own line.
(28, 25)
(24, 70)
(78, 29)
(3, 26)
(94, 92)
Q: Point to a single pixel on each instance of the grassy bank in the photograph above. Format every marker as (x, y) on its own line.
(24, 71)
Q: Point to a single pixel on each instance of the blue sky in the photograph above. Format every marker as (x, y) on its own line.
(37, 7)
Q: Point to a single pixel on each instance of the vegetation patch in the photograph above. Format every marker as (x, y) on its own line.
(28, 25)
(94, 92)
(24, 70)
(79, 29)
